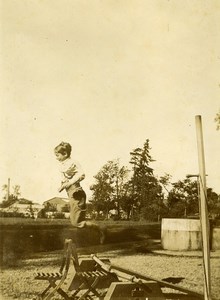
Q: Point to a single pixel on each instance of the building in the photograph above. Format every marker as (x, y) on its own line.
(57, 204)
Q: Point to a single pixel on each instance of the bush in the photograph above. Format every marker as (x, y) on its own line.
(4, 214)
(59, 215)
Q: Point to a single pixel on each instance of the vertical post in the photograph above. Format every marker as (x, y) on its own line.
(203, 209)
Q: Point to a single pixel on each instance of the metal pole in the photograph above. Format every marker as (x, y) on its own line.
(203, 209)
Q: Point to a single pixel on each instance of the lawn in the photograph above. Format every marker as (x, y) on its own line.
(21, 237)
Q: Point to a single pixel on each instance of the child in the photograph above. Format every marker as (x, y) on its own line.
(72, 174)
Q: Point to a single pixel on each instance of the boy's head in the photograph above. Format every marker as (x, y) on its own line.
(63, 151)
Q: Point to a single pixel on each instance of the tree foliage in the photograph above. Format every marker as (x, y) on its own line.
(12, 197)
(213, 203)
(109, 188)
(217, 120)
(147, 190)
(183, 198)
(142, 195)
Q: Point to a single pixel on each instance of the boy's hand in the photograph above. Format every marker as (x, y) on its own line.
(65, 185)
(61, 189)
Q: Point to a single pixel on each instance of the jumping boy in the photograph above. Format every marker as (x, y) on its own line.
(72, 175)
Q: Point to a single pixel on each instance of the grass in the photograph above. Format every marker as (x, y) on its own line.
(66, 222)
(20, 237)
(29, 221)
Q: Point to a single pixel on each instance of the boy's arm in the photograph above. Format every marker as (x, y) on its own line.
(76, 178)
(74, 174)
(63, 186)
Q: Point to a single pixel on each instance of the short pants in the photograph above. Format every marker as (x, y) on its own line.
(77, 207)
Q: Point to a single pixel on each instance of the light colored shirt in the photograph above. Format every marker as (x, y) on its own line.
(72, 173)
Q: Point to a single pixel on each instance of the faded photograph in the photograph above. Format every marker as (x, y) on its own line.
(109, 149)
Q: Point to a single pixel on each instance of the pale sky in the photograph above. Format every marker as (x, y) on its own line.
(105, 76)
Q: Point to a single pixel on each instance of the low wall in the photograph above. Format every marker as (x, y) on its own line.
(185, 234)
(181, 234)
(216, 238)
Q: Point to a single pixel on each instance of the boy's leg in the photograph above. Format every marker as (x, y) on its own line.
(77, 217)
(78, 209)
(78, 214)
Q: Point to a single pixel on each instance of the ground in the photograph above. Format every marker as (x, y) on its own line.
(147, 258)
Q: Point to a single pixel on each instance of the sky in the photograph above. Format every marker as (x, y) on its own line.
(105, 76)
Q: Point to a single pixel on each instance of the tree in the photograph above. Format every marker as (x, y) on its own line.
(147, 191)
(213, 203)
(102, 190)
(140, 159)
(183, 198)
(127, 202)
(217, 120)
(109, 187)
(16, 190)
(120, 176)
(165, 181)
(12, 198)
